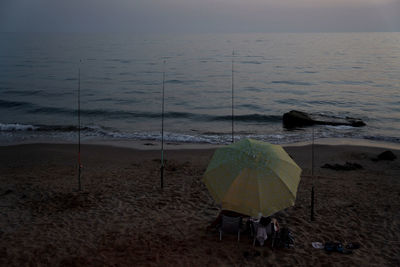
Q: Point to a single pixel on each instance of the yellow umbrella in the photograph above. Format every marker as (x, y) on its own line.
(252, 177)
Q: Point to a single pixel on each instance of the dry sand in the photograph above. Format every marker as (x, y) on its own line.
(123, 218)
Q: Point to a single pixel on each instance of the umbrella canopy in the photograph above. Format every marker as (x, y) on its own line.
(252, 177)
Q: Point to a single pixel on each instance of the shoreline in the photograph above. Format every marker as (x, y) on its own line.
(156, 145)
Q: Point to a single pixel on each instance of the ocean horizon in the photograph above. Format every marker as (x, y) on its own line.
(337, 75)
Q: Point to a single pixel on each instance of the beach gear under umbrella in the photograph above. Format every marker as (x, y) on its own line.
(252, 177)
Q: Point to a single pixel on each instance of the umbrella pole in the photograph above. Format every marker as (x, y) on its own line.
(312, 175)
(233, 54)
(79, 129)
(162, 130)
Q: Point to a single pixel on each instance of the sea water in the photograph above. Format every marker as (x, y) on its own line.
(121, 80)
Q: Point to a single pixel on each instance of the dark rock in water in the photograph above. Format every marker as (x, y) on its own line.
(346, 167)
(297, 118)
(387, 155)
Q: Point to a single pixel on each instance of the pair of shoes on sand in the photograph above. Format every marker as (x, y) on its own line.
(338, 247)
(354, 245)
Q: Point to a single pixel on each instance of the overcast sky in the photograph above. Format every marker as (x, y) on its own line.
(193, 16)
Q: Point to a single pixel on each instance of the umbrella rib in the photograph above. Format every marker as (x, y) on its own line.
(277, 175)
(287, 188)
(290, 193)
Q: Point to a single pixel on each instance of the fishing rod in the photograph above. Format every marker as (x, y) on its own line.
(312, 176)
(233, 118)
(79, 128)
(162, 129)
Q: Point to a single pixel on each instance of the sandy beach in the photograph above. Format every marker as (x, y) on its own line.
(123, 218)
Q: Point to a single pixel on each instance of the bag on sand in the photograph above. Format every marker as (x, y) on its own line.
(286, 239)
(330, 246)
(337, 247)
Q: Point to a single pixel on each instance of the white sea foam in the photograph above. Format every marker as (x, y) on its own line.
(11, 127)
(340, 127)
